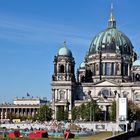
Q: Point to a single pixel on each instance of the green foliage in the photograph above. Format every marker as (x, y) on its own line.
(83, 111)
(95, 111)
(75, 113)
(61, 114)
(44, 113)
(113, 111)
(12, 115)
(87, 111)
(66, 115)
(133, 111)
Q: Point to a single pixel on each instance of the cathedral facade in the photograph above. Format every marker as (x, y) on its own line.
(109, 69)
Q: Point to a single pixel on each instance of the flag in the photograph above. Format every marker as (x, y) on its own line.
(28, 94)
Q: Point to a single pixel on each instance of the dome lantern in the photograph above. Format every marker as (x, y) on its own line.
(111, 21)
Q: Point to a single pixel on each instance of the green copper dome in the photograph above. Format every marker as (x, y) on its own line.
(136, 63)
(64, 51)
(82, 65)
(111, 40)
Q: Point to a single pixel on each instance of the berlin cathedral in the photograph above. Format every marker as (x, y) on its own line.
(109, 68)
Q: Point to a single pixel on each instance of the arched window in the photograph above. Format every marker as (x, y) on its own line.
(137, 77)
(105, 93)
(61, 69)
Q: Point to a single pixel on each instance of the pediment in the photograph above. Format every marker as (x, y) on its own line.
(106, 83)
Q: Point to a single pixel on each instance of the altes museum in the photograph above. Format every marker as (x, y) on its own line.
(109, 68)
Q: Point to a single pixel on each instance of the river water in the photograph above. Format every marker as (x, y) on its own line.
(135, 138)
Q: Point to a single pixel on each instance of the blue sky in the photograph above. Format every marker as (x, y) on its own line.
(32, 31)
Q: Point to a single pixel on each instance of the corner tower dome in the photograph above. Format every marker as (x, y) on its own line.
(64, 51)
(136, 63)
(111, 40)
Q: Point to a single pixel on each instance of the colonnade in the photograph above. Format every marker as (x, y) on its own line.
(21, 110)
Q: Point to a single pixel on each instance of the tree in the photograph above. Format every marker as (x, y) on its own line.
(133, 111)
(87, 111)
(113, 111)
(83, 111)
(93, 110)
(66, 113)
(44, 113)
(60, 113)
(75, 112)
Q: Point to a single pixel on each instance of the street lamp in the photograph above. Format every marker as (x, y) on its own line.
(91, 106)
(89, 93)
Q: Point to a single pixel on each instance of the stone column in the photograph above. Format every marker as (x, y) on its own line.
(5, 113)
(14, 111)
(115, 72)
(65, 66)
(18, 111)
(53, 96)
(32, 113)
(132, 94)
(2, 113)
(10, 110)
(22, 111)
(128, 69)
(55, 112)
(97, 68)
(118, 69)
(25, 112)
(29, 112)
(57, 68)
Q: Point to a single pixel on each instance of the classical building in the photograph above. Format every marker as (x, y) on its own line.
(25, 107)
(109, 68)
